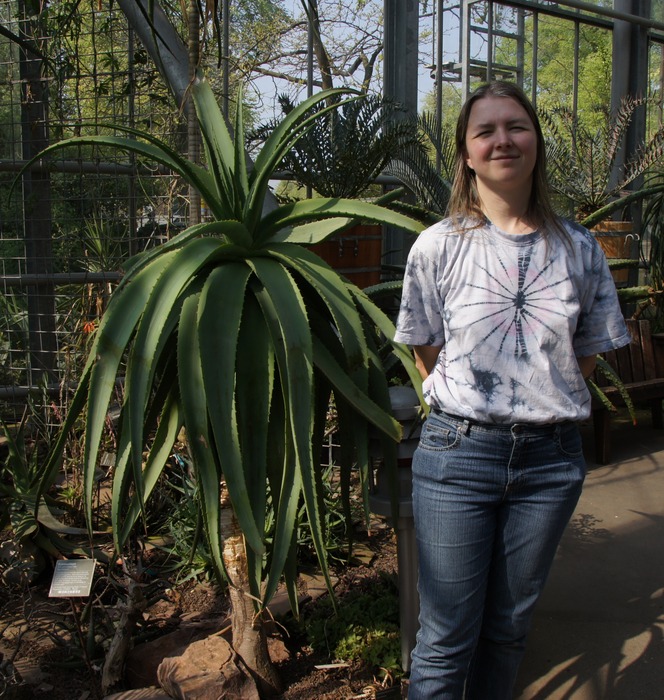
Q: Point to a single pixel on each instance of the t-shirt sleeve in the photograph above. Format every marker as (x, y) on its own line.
(601, 325)
(420, 320)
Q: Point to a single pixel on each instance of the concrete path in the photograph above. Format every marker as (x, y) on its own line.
(598, 632)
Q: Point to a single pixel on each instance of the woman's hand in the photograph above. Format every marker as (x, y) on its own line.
(587, 365)
(425, 358)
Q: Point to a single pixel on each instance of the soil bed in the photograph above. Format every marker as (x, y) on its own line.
(40, 643)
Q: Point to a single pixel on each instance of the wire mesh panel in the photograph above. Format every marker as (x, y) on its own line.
(74, 218)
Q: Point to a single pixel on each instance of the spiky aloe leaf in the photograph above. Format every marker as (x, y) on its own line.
(196, 420)
(116, 328)
(308, 209)
(219, 151)
(333, 293)
(219, 326)
(124, 517)
(280, 141)
(158, 322)
(254, 386)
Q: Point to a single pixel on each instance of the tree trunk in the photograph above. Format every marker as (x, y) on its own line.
(249, 638)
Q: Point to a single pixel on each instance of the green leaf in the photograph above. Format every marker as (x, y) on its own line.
(342, 383)
(168, 428)
(286, 317)
(113, 335)
(219, 150)
(278, 144)
(333, 292)
(254, 385)
(219, 326)
(158, 322)
(194, 406)
(386, 327)
(305, 210)
(156, 151)
(314, 232)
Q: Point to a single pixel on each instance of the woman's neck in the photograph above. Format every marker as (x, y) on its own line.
(509, 214)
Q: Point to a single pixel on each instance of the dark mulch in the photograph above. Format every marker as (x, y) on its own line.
(40, 647)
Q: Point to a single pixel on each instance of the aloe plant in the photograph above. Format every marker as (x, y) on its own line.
(236, 331)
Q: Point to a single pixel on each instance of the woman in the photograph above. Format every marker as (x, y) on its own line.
(506, 306)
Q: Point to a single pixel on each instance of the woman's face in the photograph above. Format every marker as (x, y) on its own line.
(500, 145)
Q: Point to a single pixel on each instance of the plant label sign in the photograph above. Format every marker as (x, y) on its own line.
(72, 578)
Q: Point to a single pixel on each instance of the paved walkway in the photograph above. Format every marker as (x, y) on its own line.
(598, 632)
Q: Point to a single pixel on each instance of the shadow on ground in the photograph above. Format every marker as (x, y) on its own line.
(598, 632)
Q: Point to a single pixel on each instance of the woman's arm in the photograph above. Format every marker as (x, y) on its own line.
(587, 365)
(425, 358)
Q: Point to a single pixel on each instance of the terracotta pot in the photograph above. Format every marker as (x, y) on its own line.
(615, 238)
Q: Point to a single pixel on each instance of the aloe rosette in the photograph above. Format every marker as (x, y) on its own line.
(237, 332)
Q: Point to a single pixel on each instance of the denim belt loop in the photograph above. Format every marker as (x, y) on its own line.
(465, 427)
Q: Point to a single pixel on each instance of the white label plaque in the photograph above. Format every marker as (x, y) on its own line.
(72, 578)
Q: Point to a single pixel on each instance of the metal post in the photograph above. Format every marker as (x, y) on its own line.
(37, 193)
(405, 407)
(401, 50)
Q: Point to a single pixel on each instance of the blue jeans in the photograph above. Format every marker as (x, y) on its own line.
(490, 504)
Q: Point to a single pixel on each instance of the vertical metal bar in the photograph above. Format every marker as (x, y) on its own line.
(490, 43)
(520, 45)
(226, 56)
(575, 74)
(37, 221)
(533, 87)
(465, 49)
(401, 54)
(131, 116)
(310, 55)
(193, 133)
(439, 72)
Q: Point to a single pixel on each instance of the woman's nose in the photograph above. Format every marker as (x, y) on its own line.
(503, 137)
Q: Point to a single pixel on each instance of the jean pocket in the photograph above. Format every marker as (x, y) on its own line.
(568, 441)
(438, 434)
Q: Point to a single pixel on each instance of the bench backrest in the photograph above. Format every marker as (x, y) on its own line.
(634, 362)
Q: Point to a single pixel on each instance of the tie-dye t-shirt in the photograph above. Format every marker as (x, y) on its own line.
(512, 313)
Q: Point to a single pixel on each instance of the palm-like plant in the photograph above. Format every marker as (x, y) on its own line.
(234, 330)
(428, 171)
(582, 160)
(348, 146)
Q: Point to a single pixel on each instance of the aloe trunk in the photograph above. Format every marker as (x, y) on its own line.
(248, 630)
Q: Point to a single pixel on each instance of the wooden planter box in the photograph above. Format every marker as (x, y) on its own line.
(355, 254)
(615, 238)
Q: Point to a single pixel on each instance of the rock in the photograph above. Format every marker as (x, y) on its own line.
(277, 650)
(206, 671)
(144, 659)
(151, 693)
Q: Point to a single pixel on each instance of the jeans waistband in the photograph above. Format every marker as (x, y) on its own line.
(530, 428)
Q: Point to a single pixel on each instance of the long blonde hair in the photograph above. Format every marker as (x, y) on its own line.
(464, 200)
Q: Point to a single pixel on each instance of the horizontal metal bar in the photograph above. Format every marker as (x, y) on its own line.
(79, 166)
(555, 10)
(58, 278)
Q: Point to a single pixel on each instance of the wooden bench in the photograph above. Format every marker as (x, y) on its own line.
(640, 366)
